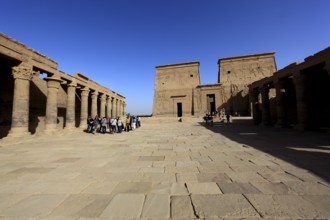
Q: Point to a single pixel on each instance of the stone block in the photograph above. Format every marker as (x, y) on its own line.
(237, 188)
(203, 188)
(223, 206)
(124, 206)
(35, 206)
(83, 205)
(181, 207)
(156, 206)
(213, 177)
(285, 206)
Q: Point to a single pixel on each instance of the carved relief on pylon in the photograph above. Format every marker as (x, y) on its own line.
(23, 71)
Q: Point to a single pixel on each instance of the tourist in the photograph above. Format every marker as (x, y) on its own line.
(90, 124)
(128, 123)
(113, 125)
(133, 123)
(138, 122)
(228, 118)
(119, 124)
(104, 123)
(96, 124)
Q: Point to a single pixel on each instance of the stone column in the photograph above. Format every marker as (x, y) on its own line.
(94, 104)
(124, 106)
(71, 106)
(119, 109)
(265, 105)
(254, 94)
(102, 105)
(20, 116)
(116, 106)
(53, 84)
(302, 107)
(108, 100)
(112, 108)
(84, 108)
(280, 103)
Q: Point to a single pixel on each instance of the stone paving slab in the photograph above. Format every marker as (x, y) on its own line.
(125, 205)
(86, 205)
(213, 177)
(179, 173)
(309, 188)
(273, 188)
(156, 206)
(238, 188)
(286, 206)
(181, 207)
(35, 206)
(221, 206)
(203, 188)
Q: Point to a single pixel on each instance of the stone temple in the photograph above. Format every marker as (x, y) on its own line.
(295, 96)
(179, 92)
(37, 97)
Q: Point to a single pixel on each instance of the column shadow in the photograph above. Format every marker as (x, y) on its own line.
(308, 150)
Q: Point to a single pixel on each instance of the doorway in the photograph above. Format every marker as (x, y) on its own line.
(179, 109)
(211, 103)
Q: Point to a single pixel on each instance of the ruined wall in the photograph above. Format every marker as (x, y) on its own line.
(235, 73)
(176, 84)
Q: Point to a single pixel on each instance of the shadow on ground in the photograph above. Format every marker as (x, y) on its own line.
(308, 150)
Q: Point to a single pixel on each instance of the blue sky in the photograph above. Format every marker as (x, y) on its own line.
(118, 43)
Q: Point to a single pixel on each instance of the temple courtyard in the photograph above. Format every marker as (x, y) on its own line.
(174, 170)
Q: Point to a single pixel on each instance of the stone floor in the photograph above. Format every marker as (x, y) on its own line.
(168, 171)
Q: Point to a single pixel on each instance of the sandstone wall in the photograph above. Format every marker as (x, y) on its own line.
(175, 84)
(236, 73)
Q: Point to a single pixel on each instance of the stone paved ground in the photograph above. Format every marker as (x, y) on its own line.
(168, 171)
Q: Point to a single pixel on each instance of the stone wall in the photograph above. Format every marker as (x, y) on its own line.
(175, 84)
(236, 73)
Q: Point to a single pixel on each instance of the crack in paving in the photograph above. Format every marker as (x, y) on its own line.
(260, 215)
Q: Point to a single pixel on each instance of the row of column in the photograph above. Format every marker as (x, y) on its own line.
(23, 74)
(109, 106)
(299, 81)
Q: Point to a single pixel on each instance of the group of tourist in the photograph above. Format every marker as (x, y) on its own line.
(113, 125)
(221, 116)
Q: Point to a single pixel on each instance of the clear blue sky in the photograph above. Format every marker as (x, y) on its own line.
(118, 43)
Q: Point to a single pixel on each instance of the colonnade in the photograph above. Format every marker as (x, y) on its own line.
(263, 116)
(299, 80)
(110, 105)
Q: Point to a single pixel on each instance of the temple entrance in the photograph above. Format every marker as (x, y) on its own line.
(210, 103)
(179, 109)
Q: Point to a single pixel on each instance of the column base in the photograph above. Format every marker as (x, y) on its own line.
(12, 134)
(72, 129)
(18, 132)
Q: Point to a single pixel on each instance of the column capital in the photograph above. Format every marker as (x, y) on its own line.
(53, 82)
(84, 91)
(22, 71)
(103, 96)
(95, 93)
(72, 84)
